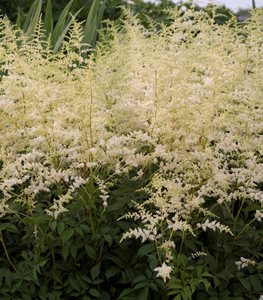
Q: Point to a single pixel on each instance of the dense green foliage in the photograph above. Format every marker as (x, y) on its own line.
(145, 10)
(56, 29)
(74, 257)
(134, 172)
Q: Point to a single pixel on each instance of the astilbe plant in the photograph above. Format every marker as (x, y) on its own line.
(179, 108)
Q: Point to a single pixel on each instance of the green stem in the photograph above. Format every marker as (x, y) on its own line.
(245, 228)
(6, 252)
(90, 115)
(171, 235)
(239, 210)
(157, 251)
(156, 101)
(182, 243)
(100, 219)
(91, 222)
(88, 209)
(229, 211)
(236, 237)
(52, 253)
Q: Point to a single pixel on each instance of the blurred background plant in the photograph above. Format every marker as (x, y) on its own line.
(56, 17)
(18, 10)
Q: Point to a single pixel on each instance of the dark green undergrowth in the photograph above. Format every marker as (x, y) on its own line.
(79, 255)
(74, 256)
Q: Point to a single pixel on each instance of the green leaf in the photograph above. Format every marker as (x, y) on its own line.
(152, 261)
(255, 282)
(178, 297)
(48, 21)
(225, 275)
(92, 22)
(126, 294)
(74, 249)
(56, 275)
(139, 279)
(118, 260)
(94, 293)
(142, 284)
(143, 294)
(42, 263)
(128, 274)
(8, 227)
(245, 282)
(61, 37)
(108, 238)
(186, 293)
(181, 259)
(65, 252)
(176, 284)
(95, 271)
(146, 249)
(28, 16)
(207, 284)
(90, 252)
(17, 285)
(32, 18)
(85, 228)
(53, 225)
(19, 19)
(60, 25)
(194, 283)
(74, 283)
(67, 234)
(111, 271)
(60, 228)
(206, 274)
(79, 231)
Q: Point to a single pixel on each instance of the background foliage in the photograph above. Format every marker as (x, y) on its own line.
(112, 10)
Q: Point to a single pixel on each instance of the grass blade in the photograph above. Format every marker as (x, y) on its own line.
(28, 17)
(32, 17)
(60, 26)
(100, 17)
(64, 32)
(48, 21)
(91, 26)
(19, 19)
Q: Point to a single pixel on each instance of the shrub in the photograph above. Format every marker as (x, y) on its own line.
(142, 161)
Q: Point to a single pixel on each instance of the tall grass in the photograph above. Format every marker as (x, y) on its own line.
(58, 30)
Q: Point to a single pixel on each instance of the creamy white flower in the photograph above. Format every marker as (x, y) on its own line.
(164, 271)
(259, 215)
(214, 225)
(198, 254)
(244, 262)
